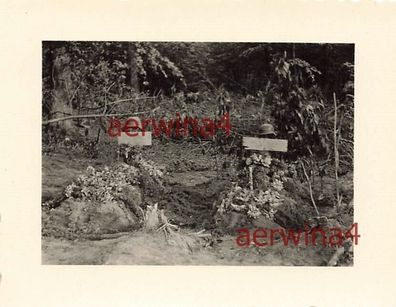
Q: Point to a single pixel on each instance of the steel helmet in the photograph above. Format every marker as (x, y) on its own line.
(266, 129)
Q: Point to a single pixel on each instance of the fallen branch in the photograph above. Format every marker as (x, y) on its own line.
(55, 120)
(166, 225)
(120, 101)
(200, 234)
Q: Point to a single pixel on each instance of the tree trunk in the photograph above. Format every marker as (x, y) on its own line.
(62, 86)
(133, 80)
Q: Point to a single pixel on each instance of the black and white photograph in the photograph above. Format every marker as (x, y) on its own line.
(198, 153)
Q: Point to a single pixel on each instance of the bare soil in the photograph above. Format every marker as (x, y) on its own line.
(152, 249)
(194, 180)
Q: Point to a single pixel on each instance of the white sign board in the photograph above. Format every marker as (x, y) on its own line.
(254, 143)
(136, 137)
(138, 140)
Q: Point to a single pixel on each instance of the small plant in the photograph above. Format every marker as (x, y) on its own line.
(103, 185)
(263, 200)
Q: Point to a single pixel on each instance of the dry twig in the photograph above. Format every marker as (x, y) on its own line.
(336, 157)
(310, 188)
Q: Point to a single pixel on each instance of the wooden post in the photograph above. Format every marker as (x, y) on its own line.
(133, 137)
(251, 177)
(336, 159)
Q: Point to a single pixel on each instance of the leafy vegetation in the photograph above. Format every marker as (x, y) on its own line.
(289, 85)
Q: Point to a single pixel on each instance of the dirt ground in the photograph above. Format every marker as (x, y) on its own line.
(152, 249)
(194, 180)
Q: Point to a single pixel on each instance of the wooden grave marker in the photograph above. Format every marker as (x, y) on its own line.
(254, 143)
(141, 139)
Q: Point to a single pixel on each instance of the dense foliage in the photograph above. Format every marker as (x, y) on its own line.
(296, 82)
